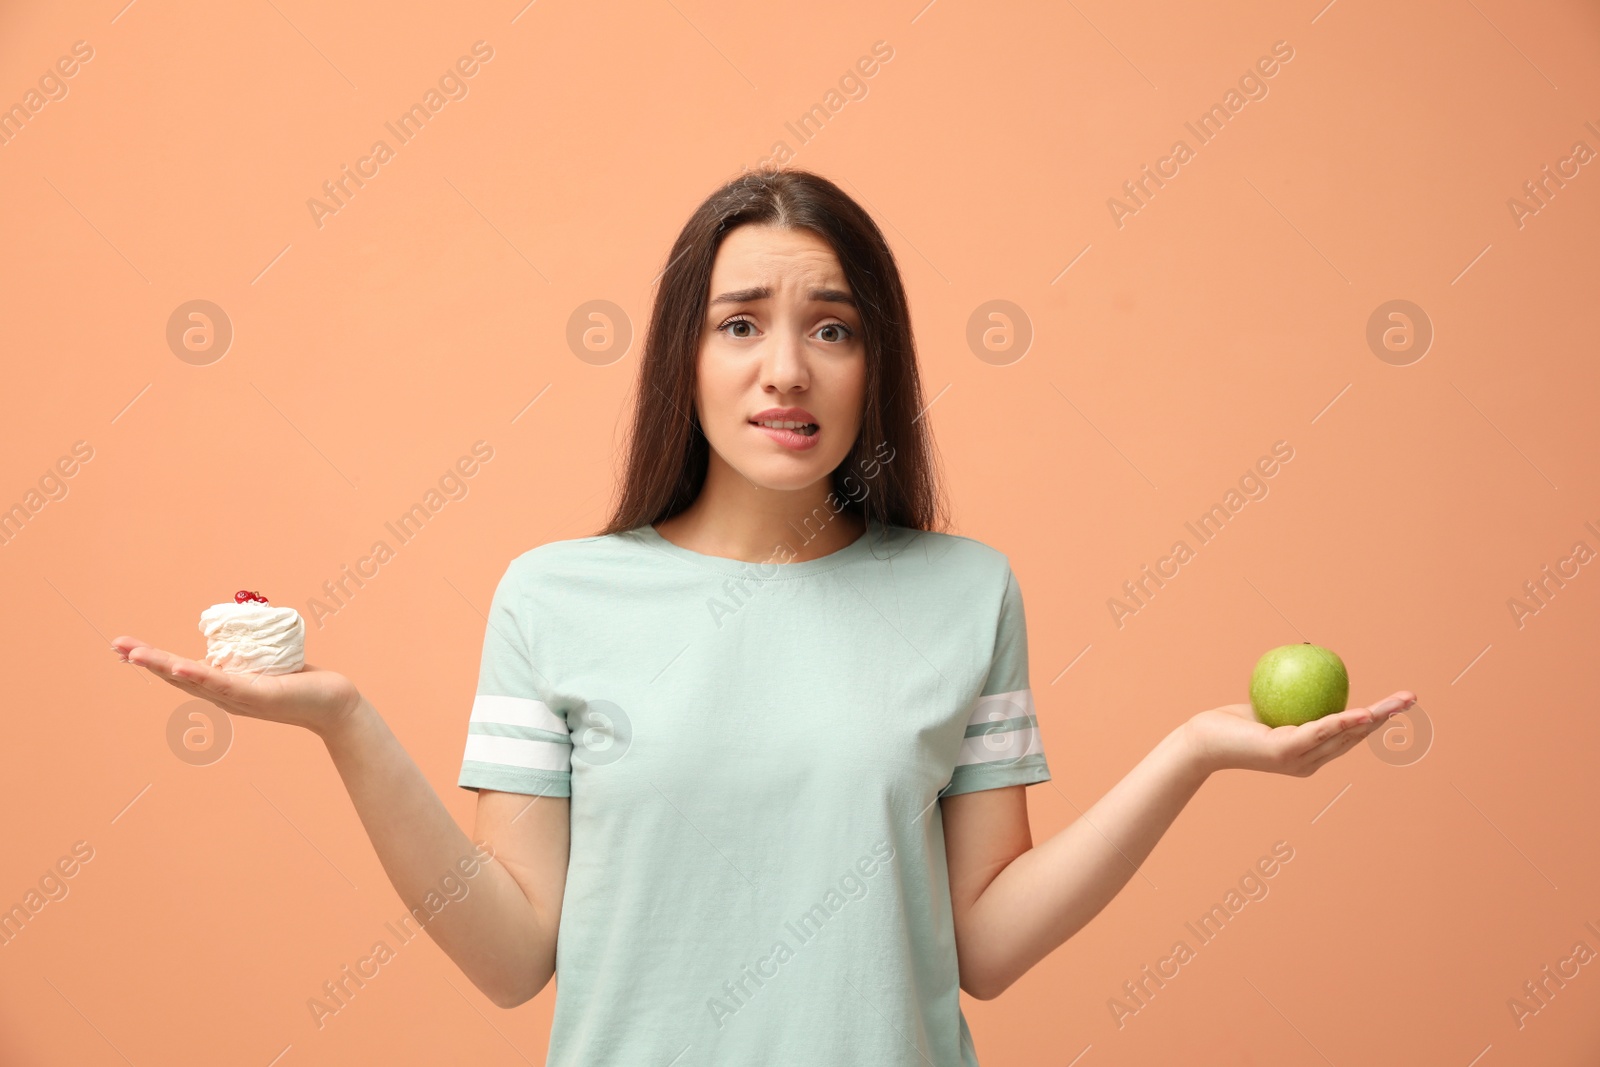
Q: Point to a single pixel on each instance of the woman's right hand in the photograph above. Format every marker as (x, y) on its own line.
(316, 699)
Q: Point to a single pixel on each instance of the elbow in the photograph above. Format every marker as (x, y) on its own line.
(982, 992)
(511, 994)
(976, 993)
(977, 974)
(982, 987)
(513, 980)
(510, 998)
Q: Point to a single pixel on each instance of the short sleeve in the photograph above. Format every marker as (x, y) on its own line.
(515, 742)
(1002, 744)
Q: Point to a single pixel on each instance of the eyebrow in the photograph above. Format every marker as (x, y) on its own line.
(762, 292)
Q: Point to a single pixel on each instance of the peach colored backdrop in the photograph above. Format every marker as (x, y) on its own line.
(1108, 364)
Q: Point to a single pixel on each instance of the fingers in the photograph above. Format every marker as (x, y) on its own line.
(1331, 727)
(124, 644)
(1337, 745)
(1354, 727)
(157, 661)
(211, 682)
(196, 679)
(173, 680)
(1330, 736)
(1396, 701)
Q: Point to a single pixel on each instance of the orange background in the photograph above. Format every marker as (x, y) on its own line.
(1228, 313)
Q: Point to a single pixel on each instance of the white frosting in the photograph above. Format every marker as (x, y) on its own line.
(254, 638)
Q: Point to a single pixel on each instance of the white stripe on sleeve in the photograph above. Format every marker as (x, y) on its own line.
(519, 753)
(997, 743)
(516, 711)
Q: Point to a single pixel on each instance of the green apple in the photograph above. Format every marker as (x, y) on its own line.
(1294, 684)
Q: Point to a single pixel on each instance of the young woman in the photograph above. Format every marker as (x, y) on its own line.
(750, 761)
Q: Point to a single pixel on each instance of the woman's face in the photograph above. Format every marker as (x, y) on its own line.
(781, 344)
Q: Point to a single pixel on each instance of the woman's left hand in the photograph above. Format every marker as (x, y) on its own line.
(1232, 736)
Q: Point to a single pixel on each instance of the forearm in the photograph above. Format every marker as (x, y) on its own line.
(1051, 891)
(492, 932)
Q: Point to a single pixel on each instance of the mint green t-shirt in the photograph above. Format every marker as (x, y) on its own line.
(754, 753)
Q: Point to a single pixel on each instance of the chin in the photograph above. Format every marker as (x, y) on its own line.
(785, 481)
(786, 473)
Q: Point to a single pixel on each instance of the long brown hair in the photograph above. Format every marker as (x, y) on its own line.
(889, 474)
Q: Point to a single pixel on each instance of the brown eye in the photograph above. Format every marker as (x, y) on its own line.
(731, 323)
(845, 331)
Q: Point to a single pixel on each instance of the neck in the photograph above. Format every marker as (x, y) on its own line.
(737, 519)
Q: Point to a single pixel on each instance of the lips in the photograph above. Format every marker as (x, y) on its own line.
(784, 415)
(794, 428)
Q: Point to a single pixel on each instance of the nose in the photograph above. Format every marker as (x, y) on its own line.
(784, 365)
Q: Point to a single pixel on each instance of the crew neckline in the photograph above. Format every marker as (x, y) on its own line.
(766, 571)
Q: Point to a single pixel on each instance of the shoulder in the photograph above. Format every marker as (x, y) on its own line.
(950, 550)
(571, 556)
(952, 558)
